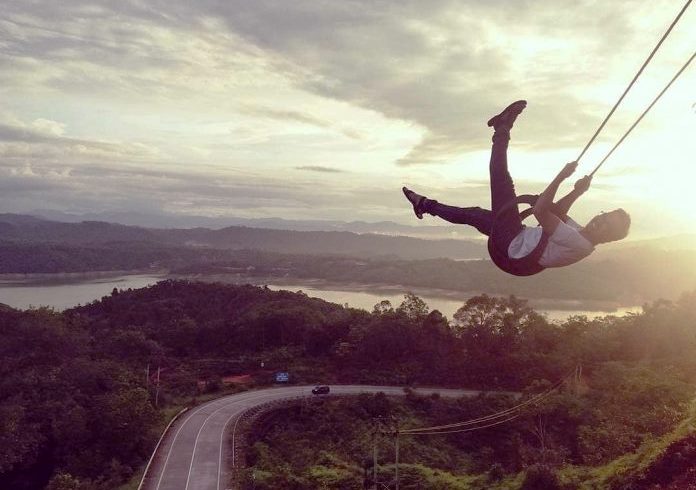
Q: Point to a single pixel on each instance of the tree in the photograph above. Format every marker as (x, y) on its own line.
(413, 307)
(64, 481)
(383, 307)
(20, 440)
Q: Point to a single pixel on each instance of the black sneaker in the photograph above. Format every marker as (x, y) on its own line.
(416, 201)
(506, 119)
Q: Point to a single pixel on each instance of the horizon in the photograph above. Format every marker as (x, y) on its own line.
(445, 231)
(322, 112)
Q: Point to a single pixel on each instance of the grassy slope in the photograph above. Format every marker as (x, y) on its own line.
(628, 465)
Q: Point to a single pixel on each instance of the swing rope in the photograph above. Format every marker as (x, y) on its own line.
(664, 36)
(644, 112)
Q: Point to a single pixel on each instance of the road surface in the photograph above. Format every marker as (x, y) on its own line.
(192, 454)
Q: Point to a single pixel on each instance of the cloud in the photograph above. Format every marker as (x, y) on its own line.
(289, 115)
(445, 66)
(208, 104)
(319, 168)
(285, 115)
(33, 145)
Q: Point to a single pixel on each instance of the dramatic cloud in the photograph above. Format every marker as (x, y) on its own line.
(213, 107)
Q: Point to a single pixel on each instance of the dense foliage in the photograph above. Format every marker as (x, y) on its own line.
(57, 258)
(78, 411)
(65, 408)
(331, 443)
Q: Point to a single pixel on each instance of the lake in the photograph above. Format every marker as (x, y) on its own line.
(446, 305)
(71, 292)
(66, 293)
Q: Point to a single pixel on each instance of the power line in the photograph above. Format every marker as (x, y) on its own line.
(497, 415)
(469, 429)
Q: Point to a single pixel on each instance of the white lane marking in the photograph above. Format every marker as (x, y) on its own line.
(183, 423)
(259, 397)
(169, 451)
(195, 444)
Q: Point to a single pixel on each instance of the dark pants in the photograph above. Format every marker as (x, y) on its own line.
(503, 206)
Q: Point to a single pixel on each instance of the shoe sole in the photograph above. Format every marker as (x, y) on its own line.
(415, 206)
(512, 108)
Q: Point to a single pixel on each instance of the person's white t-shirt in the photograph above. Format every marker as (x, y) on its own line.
(566, 246)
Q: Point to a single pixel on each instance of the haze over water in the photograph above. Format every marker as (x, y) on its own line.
(69, 294)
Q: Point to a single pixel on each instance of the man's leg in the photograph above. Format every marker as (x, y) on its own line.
(502, 187)
(503, 197)
(479, 218)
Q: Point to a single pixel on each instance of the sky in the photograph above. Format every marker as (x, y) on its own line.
(323, 109)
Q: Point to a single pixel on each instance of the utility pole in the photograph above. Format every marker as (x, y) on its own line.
(158, 387)
(396, 457)
(374, 458)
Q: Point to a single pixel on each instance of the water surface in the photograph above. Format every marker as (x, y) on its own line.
(447, 306)
(67, 294)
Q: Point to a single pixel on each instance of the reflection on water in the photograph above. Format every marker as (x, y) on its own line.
(66, 295)
(447, 306)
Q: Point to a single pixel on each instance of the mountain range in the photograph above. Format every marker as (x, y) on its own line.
(32, 229)
(170, 220)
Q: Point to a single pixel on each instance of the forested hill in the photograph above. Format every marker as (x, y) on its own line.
(172, 220)
(28, 229)
(77, 410)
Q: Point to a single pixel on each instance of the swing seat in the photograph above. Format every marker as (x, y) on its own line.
(529, 199)
(524, 266)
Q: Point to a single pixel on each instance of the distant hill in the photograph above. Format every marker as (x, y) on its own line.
(629, 274)
(31, 229)
(684, 241)
(168, 220)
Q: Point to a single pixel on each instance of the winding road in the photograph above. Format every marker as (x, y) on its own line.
(192, 454)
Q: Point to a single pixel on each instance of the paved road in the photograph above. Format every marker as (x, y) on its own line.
(192, 454)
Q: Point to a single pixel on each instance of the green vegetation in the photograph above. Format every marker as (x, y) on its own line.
(78, 413)
(330, 443)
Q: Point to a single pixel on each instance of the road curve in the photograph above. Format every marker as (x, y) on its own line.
(192, 454)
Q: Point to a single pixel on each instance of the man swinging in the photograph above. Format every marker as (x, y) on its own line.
(514, 247)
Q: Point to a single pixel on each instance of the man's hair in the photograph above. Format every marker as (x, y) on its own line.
(620, 231)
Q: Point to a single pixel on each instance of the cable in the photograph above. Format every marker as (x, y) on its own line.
(496, 415)
(457, 427)
(534, 399)
(664, 36)
(645, 112)
(487, 418)
(470, 429)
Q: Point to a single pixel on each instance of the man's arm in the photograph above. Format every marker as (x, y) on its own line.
(563, 205)
(543, 207)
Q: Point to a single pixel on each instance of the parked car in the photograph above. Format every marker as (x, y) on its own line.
(321, 390)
